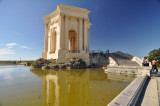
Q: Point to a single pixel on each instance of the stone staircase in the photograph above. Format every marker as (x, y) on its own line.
(126, 62)
(123, 59)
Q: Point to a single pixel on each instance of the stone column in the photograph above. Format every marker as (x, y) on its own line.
(54, 37)
(72, 44)
(46, 38)
(66, 32)
(88, 39)
(61, 32)
(85, 35)
(52, 40)
(80, 34)
(49, 41)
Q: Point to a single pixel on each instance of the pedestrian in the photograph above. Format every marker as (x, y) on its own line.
(154, 65)
(147, 62)
(143, 61)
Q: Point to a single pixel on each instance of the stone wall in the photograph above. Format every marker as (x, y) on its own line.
(99, 59)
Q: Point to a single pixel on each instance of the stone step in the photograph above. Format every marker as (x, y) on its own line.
(127, 62)
(154, 74)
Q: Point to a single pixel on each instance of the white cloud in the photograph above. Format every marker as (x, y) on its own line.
(11, 44)
(25, 47)
(9, 48)
(5, 51)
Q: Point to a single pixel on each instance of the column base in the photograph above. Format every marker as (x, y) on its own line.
(44, 55)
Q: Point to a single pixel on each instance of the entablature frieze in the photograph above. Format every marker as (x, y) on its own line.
(62, 7)
(72, 14)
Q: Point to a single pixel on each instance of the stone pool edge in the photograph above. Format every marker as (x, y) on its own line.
(130, 95)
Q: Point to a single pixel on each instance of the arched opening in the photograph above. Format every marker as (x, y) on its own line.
(53, 41)
(72, 41)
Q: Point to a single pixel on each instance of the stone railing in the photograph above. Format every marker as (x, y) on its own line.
(113, 62)
(138, 60)
(130, 95)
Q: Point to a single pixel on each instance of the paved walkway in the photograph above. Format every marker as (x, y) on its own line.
(149, 96)
(158, 83)
(151, 93)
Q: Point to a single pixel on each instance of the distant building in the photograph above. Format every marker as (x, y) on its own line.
(67, 34)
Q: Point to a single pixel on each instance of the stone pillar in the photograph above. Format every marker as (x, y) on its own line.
(52, 40)
(49, 41)
(54, 37)
(61, 32)
(72, 44)
(88, 39)
(66, 32)
(80, 34)
(85, 35)
(46, 38)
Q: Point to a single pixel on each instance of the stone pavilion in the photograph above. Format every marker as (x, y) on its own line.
(67, 34)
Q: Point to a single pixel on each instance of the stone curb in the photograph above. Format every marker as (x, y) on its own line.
(128, 70)
(130, 95)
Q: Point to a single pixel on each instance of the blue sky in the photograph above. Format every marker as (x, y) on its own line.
(130, 26)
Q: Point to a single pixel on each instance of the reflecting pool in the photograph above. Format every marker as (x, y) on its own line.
(20, 86)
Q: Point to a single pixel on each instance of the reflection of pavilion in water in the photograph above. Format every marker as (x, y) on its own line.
(63, 88)
(79, 87)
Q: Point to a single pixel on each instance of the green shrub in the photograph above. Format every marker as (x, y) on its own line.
(155, 54)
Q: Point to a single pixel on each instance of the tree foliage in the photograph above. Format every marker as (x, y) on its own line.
(155, 54)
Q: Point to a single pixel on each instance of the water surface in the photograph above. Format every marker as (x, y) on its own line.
(20, 86)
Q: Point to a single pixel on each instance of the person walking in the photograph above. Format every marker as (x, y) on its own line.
(147, 62)
(154, 65)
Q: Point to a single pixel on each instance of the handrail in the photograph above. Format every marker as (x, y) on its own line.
(114, 59)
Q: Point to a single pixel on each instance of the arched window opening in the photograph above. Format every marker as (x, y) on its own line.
(72, 41)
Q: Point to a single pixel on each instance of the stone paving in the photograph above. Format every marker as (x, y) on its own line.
(151, 92)
(149, 96)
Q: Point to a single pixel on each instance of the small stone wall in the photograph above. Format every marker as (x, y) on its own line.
(128, 70)
(99, 59)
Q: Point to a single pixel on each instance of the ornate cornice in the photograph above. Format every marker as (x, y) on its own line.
(54, 13)
(66, 10)
(72, 9)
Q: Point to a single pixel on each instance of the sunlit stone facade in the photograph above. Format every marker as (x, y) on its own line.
(67, 34)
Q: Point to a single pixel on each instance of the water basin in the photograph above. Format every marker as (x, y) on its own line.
(20, 86)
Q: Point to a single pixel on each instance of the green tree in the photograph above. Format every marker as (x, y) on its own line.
(155, 54)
